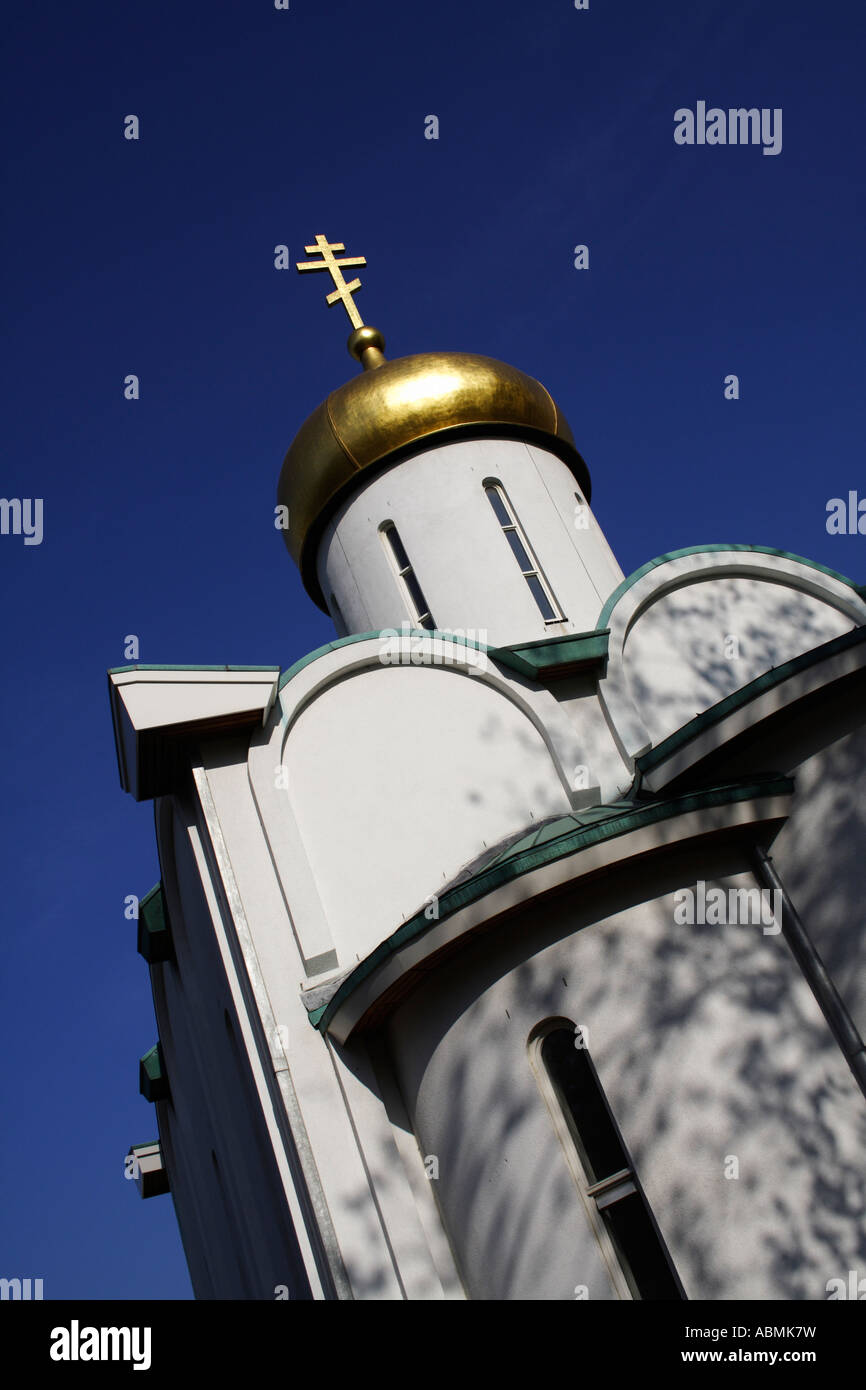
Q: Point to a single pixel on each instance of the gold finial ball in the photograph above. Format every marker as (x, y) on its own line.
(362, 340)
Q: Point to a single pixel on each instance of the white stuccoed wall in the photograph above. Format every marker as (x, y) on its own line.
(397, 778)
(675, 653)
(820, 857)
(708, 1044)
(227, 1174)
(235, 1213)
(455, 544)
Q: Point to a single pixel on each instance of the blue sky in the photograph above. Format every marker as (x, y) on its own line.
(261, 127)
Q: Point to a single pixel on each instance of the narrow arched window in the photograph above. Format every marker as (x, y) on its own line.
(610, 1187)
(523, 554)
(406, 577)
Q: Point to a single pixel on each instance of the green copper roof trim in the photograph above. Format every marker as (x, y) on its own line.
(323, 651)
(152, 1076)
(380, 635)
(140, 666)
(588, 648)
(632, 579)
(584, 649)
(716, 713)
(154, 933)
(543, 846)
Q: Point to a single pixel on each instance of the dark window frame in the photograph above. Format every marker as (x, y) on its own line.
(521, 549)
(622, 1219)
(407, 579)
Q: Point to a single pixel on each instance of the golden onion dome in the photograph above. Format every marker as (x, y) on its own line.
(392, 409)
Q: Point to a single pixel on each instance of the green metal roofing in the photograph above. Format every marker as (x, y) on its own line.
(573, 652)
(546, 843)
(533, 659)
(562, 825)
(378, 635)
(154, 935)
(716, 713)
(632, 579)
(152, 1076)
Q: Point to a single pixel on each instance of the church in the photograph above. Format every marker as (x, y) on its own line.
(447, 1007)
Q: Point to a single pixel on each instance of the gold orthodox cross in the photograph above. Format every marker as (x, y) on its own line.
(329, 261)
